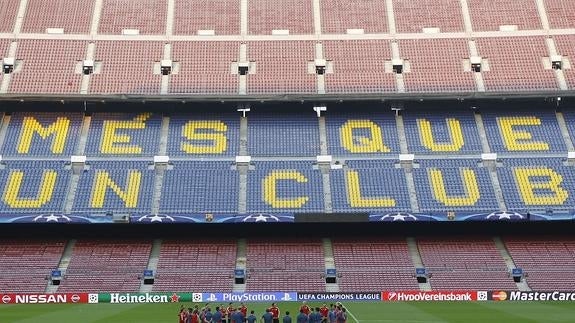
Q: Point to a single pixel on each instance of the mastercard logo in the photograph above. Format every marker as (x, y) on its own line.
(499, 296)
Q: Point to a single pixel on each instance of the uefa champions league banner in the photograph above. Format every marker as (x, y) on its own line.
(339, 297)
(468, 216)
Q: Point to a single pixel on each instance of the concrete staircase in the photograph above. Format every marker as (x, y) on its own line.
(523, 286)
(62, 265)
(329, 263)
(241, 263)
(152, 264)
(417, 262)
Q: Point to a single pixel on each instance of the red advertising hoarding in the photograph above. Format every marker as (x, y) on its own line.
(26, 298)
(425, 296)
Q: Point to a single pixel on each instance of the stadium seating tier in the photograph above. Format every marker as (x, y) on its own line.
(368, 264)
(49, 66)
(184, 266)
(544, 134)
(293, 15)
(427, 57)
(34, 187)
(284, 186)
(471, 263)
(204, 135)
(74, 17)
(454, 185)
(204, 68)
(8, 10)
(105, 266)
(561, 14)
(414, 16)
(369, 186)
(359, 66)
(281, 67)
(221, 16)
(24, 264)
(539, 184)
(27, 133)
(199, 187)
(115, 186)
(441, 132)
(566, 47)
(273, 265)
(548, 261)
(148, 17)
(340, 15)
(127, 67)
(516, 64)
(360, 133)
(124, 134)
(489, 15)
(283, 134)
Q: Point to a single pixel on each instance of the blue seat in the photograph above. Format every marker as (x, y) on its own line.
(42, 188)
(371, 134)
(445, 142)
(298, 187)
(92, 197)
(542, 127)
(33, 126)
(479, 198)
(516, 188)
(212, 140)
(287, 134)
(378, 180)
(142, 130)
(200, 187)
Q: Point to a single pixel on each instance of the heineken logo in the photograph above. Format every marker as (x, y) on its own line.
(126, 298)
(139, 298)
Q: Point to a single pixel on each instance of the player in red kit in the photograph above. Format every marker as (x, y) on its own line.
(304, 308)
(274, 309)
(182, 315)
(230, 310)
(244, 310)
(324, 311)
(195, 318)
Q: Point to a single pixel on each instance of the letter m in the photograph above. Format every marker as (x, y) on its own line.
(58, 129)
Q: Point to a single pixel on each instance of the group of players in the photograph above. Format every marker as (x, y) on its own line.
(335, 313)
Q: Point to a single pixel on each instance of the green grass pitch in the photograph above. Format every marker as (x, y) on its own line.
(434, 312)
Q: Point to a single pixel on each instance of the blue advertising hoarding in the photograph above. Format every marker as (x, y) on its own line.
(339, 297)
(245, 297)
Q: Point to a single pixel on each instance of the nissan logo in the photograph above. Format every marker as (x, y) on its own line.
(6, 299)
(75, 298)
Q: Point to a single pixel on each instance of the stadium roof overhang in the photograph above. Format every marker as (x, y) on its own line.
(289, 97)
(31, 100)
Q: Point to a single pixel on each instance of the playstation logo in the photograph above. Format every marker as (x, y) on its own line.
(287, 297)
(212, 298)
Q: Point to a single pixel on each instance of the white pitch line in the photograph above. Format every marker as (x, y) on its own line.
(396, 321)
(352, 316)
